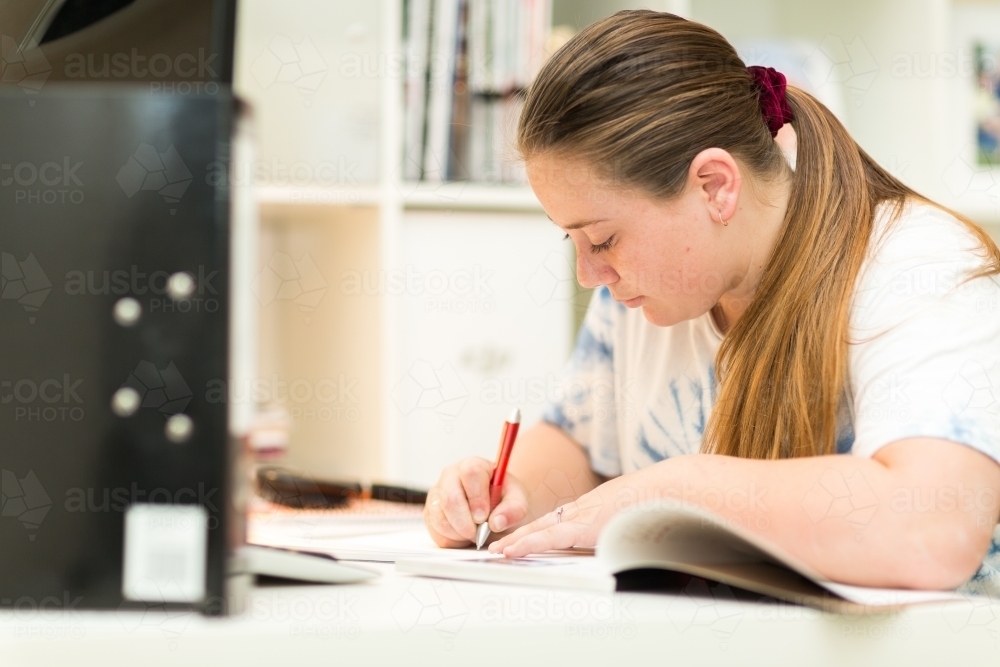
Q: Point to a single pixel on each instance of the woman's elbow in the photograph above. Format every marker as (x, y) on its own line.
(945, 554)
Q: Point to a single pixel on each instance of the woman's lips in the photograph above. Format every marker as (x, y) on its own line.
(634, 302)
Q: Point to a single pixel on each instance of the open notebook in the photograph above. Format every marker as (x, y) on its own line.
(681, 539)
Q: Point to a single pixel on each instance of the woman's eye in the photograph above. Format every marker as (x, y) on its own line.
(603, 246)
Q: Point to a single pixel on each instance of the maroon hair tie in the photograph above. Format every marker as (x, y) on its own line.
(773, 104)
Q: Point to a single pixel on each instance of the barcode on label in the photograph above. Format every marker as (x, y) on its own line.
(165, 552)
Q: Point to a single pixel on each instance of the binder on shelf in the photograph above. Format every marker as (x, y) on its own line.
(418, 34)
(468, 65)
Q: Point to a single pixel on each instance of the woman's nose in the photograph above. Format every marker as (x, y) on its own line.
(591, 272)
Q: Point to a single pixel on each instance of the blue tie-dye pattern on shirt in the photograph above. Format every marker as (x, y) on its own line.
(653, 454)
(591, 350)
(556, 415)
(647, 449)
(845, 438)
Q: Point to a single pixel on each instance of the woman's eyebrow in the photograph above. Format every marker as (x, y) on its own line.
(578, 225)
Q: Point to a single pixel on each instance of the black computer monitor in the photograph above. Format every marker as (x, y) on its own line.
(114, 232)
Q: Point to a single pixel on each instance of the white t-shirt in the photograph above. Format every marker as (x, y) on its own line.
(924, 360)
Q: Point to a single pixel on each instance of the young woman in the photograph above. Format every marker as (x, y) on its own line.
(797, 342)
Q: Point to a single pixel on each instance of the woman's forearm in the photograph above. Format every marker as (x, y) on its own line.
(552, 467)
(866, 521)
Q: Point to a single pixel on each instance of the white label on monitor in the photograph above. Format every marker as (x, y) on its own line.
(166, 547)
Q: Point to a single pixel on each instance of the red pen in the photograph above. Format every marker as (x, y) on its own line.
(507, 438)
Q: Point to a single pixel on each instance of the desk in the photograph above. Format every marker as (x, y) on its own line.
(403, 620)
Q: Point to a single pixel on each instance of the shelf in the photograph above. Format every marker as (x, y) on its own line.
(319, 195)
(474, 196)
(453, 195)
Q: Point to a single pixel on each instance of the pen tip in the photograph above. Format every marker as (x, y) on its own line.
(515, 416)
(482, 532)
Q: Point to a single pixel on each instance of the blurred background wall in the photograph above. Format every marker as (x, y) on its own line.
(411, 288)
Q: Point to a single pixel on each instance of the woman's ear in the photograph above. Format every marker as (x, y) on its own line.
(715, 176)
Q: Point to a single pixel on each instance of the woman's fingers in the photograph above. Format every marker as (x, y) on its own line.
(559, 536)
(535, 526)
(437, 523)
(460, 500)
(455, 505)
(573, 527)
(474, 474)
(511, 509)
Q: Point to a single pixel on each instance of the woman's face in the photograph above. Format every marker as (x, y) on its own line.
(668, 257)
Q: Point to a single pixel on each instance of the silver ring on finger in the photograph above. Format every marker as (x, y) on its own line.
(559, 512)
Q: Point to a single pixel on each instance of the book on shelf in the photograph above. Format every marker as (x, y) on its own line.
(468, 64)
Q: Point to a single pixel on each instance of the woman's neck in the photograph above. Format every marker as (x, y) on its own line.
(756, 224)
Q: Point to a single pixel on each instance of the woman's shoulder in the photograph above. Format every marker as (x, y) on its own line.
(921, 240)
(922, 230)
(919, 254)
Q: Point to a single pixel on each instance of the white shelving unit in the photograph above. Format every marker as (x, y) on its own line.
(443, 231)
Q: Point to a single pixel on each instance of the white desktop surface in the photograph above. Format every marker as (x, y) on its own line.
(403, 620)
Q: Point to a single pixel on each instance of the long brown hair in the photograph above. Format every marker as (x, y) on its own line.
(637, 96)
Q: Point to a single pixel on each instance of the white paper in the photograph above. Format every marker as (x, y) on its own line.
(385, 548)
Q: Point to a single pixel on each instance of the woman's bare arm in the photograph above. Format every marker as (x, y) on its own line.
(553, 468)
(919, 514)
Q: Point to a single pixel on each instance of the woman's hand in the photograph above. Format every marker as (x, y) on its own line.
(461, 499)
(580, 524)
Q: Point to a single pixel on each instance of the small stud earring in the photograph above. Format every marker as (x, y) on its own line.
(725, 223)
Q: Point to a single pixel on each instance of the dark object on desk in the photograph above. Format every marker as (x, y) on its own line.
(398, 494)
(116, 464)
(291, 489)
